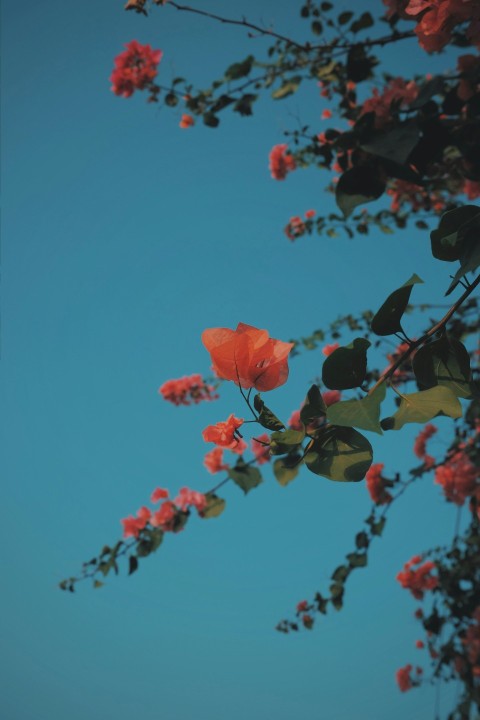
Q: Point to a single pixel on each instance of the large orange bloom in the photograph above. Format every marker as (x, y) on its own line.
(248, 356)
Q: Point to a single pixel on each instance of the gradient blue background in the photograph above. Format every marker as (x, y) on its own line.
(123, 238)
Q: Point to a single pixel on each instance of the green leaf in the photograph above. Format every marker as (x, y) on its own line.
(266, 416)
(340, 574)
(317, 27)
(356, 560)
(244, 105)
(447, 239)
(288, 88)
(387, 319)
(210, 120)
(469, 256)
(341, 454)
(214, 507)
(98, 584)
(132, 564)
(346, 367)
(363, 414)
(444, 362)
(171, 99)
(285, 442)
(345, 17)
(314, 406)
(364, 21)
(283, 473)
(240, 69)
(395, 144)
(422, 406)
(245, 476)
(358, 186)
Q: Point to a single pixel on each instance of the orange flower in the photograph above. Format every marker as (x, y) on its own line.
(223, 434)
(186, 121)
(248, 356)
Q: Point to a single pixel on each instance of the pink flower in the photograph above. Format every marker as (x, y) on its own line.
(240, 447)
(164, 517)
(187, 498)
(213, 461)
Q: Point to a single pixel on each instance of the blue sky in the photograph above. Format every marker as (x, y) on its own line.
(123, 238)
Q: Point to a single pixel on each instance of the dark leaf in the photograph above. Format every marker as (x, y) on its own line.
(387, 320)
(346, 367)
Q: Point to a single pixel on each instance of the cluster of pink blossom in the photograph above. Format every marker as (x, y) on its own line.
(280, 162)
(164, 517)
(135, 68)
(420, 579)
(187, 390)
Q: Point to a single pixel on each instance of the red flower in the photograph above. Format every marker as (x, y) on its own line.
(223, 433)
(295, 423)
(240, 447)
(248, 356)
(376, 485)
(280, 164)
(397, 92)
(403, 677)
(187, 390)
(329, 349)
(213, 461)
(307, 621)
(186, 121)
(419, 644)
(326, 114)
(261, 448)
(420, 446)
(295, 228)
(459, 478)
(135, 68)
(302, 606)
(471, 188)
(419, 580)
(133, 525)
(310, 214)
